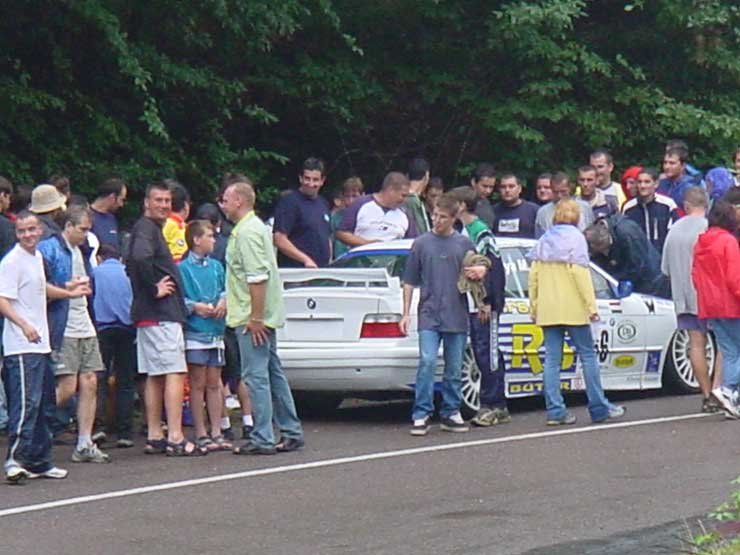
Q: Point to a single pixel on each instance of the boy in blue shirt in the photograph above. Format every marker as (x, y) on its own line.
(204, 290)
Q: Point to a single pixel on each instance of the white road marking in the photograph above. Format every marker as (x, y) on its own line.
(338, 461)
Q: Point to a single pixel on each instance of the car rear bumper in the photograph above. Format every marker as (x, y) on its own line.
(359, 368)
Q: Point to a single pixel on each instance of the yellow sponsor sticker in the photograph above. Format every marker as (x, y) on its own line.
(623, 361)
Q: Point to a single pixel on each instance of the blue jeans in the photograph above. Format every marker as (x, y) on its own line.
(598, 406)
(492, 394)
(3, 408)
(269, 391)
(29, 388)
(453, 347)
(727, 332)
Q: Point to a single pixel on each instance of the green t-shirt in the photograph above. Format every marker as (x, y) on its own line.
(250, 258)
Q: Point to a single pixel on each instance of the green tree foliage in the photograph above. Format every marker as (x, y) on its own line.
(192, 89)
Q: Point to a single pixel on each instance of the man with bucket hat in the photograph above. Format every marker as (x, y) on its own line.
(48, 204)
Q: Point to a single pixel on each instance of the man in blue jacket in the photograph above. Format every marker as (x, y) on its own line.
(73, 338)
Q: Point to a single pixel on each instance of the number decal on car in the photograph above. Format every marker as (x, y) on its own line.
(527, 340)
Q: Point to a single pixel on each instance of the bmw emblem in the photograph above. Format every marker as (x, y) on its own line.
(311, 304)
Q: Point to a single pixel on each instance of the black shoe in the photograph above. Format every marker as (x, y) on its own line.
(290, 444)
(246, 430)
(228, 434)
(249, 448)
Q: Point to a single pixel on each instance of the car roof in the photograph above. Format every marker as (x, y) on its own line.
(405, 244)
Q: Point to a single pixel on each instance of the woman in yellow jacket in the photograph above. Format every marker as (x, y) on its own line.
(561, 297)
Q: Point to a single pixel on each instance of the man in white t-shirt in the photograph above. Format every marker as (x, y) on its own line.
(27, 374)
(380, 216)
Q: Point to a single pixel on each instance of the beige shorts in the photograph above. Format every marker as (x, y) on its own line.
(160, 349)
(78, 356)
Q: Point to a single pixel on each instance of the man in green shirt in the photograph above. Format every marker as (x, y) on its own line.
(414, 203)
(255, 310)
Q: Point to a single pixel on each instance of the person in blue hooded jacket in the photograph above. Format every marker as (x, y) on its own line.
(204, 289)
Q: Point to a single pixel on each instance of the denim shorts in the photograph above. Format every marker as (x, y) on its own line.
(691, 322)
(211, 358)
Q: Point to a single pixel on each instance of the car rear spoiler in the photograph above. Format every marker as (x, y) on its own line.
(365, 278)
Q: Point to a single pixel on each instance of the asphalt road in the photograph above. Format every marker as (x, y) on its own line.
(363, 485)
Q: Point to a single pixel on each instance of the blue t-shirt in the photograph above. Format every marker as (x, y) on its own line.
(105, 227)
(305, 221)
(516, 221)
(434, 265)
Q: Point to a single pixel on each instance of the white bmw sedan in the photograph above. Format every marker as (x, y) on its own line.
(341, 337)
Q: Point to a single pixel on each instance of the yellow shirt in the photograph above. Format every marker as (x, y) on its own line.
(561, 294)
(174, 233)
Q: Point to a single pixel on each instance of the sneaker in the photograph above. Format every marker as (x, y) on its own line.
(454, 423)
(420, 427)
(710, 406)
(232, 403)
(91, 454)
(98, 438)
(228, 434)
(724, 398)
(566, 420)
(54, 473)
(16, 474)
(502, 416)
(124, 443)
(246, 430)
(616, 411)
(484, 417)
(290, 444)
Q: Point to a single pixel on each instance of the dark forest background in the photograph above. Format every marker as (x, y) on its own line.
(145, 89)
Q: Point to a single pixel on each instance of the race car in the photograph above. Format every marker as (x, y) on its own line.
(341, 337)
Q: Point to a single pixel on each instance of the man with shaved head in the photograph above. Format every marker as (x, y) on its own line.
(255, 309)
(380, 216)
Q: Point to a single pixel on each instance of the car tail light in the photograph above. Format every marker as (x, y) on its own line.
(381, 325)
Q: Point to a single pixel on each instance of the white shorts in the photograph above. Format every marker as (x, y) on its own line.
(160, 349)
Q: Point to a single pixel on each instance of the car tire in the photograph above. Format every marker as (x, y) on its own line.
(316, 404)
(471, 381)
(677, 372)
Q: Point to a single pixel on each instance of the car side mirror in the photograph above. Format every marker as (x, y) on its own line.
(624, 289)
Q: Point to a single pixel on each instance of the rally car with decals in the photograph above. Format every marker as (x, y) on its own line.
(341, 337)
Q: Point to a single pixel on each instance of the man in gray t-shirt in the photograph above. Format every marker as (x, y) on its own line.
(434, 266)
(678, 257)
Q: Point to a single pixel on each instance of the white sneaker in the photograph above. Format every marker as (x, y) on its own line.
(725, 397)
(91, 453)
(232, 403)
(420, 427)
(54, 473)
(16, 474)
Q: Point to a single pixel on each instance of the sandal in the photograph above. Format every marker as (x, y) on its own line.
(205, 443)
(155, 446)
(220, 443)
(185, 449)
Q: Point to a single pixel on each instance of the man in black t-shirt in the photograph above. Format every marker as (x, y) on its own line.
(302, 228)
(515, 216)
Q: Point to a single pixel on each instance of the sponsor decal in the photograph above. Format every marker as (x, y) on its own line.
(516, 307)
(623, 361)
(653, 361)
(627, 331)
(526, 341)
(311, 303)
(533, 387)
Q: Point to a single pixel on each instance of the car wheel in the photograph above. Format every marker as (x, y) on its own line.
(470, 385)
(316, 404)
(678, 373)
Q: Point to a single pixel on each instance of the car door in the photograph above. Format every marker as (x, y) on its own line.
(619, 336)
